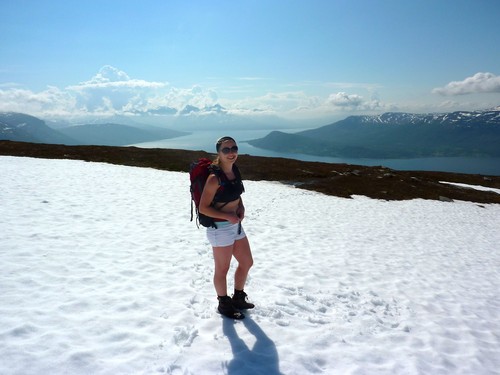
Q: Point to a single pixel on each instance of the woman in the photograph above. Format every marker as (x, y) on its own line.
(221, 200)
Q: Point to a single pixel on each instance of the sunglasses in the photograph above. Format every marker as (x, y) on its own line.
(227, 150)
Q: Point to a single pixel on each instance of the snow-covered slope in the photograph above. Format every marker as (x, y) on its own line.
(460, 118)
(102, 273)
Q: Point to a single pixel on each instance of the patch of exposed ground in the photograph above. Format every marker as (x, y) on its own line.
(341, 180)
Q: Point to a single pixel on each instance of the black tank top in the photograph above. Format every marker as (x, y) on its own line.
(229, 190)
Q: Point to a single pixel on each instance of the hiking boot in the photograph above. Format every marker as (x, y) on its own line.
(227, 309)
(240, 300)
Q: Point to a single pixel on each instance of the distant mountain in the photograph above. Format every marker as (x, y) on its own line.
(116, 134)
(190, 118)
(26, 128)
(396, 135)
(189, 109)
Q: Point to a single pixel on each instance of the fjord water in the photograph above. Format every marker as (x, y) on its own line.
(205, 140)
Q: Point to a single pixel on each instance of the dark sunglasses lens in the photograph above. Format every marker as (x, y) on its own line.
(227, 150)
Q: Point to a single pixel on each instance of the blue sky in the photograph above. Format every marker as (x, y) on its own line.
(314, 60)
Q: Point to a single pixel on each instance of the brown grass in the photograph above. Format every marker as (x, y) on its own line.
(342, 180)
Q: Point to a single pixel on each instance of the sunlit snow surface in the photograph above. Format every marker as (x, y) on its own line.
(103, 273)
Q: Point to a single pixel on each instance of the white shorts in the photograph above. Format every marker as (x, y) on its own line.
(225, 234)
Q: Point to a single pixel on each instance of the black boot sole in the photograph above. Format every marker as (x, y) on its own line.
(248, 306)
(231, 314)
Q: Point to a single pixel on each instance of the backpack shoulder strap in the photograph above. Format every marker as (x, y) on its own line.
(214, 169)
(236, 171)
(237, 174)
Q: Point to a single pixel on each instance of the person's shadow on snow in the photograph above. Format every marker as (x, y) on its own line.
(262, 358)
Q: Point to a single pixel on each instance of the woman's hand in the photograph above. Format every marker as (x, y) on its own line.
(240, 212)
(233, 218)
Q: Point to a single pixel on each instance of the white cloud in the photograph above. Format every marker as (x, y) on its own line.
(284, 104)
(355, 102)
(111, 77)
(109, 73)
(51, 101)
(478, 83)
(195, 96)
(342, 99)
(109, 92)
(113, 92)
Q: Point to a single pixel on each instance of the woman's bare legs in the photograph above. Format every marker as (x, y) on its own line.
(222, 258)
(243, 255)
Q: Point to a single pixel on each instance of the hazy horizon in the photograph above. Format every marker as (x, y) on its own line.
(304, 63)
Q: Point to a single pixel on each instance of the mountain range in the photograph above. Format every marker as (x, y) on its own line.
(396, 135)
(389, 135)
(26, 128)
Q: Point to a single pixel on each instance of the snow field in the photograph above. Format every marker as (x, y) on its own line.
(102, 273)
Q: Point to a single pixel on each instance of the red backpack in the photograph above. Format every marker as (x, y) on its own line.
(198, 174)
